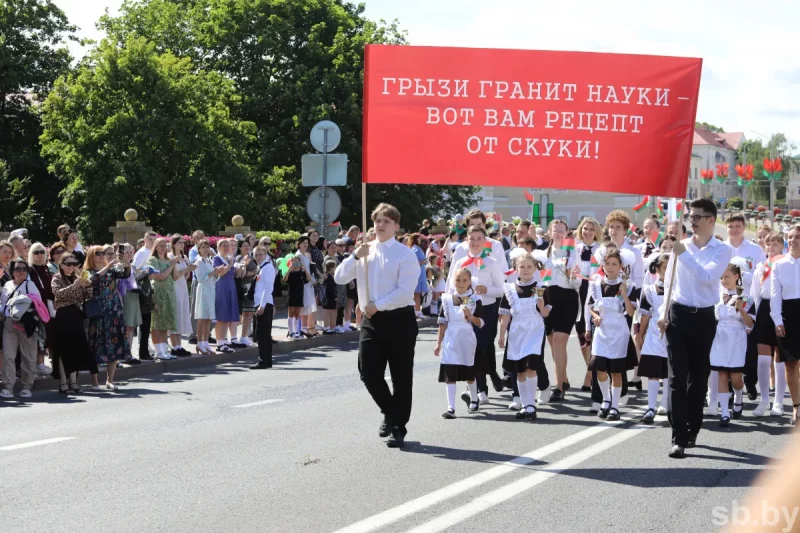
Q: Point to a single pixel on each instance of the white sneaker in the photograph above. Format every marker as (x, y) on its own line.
(623, 401)
(5, 393)
(483, 398)
(712, 411)
(25, 393)
(342, 329)
(97, 388)
(43, 369)
(662, 410)
(761, 409)
(163, 356)
(516, 404)
(777, 409)
(111, 386)
(544, 396)
(595, 408)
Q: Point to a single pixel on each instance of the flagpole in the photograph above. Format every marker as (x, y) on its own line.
(364, 230)
(674, 269)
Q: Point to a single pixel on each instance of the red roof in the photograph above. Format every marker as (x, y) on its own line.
(730, 141)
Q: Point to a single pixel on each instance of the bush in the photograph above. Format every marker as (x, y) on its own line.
(735, 202)
(795, 213)
(762, 209)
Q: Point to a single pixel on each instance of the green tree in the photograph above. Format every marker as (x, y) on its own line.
(709, 127)
(295, 63)
(136, 128)
(755, 151)
(32, 55)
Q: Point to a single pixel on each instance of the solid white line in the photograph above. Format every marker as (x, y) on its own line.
(256, 404)
(497, 496)
(459, 487)
(683, 98)
(34, 443)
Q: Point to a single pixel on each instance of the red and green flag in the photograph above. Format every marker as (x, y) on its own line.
(632, 230)
(595, 263)
(658, 236)
(659, 211)
(529, 198)
(547, 275)
(568, 245)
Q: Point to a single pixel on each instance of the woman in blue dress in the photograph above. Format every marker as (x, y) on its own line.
(226, 305)
(422, 283)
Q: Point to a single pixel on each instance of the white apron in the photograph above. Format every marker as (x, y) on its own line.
(459, 343)
(611, 338)
(654, 343)
(526, 333)
(730, 343)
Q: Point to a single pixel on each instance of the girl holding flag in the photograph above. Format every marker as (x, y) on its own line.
(560, 262)
(522, 314)
(651, 235)
(589, 231)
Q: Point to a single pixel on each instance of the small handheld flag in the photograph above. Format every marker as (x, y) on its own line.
(529, 198)
(547, 276)
(568, 244)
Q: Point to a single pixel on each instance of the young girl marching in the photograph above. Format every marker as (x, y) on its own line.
(729, 350)
(764, 330)
(609, 304)
(653, 364)
(522, 314)
(457, 342)
(589, 232)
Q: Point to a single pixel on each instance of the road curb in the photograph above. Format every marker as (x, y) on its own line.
(197, 361)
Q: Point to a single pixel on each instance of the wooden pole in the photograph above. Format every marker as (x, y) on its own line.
(674, 267)
(364, 232)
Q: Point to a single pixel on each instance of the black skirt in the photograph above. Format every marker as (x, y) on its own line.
(598, 363)
(295, 297)
(764, 330)
(69, 343)
(565, 309)
(790, 344)
(580, 325)
(529, 362)
(653, 367)
(738, 370)
(453, 373)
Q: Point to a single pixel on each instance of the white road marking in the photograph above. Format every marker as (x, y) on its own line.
(497, 496)
(459, 487)
(34, 443)
(256, 404)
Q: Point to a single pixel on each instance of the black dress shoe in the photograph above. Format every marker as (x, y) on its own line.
(497, 383)
(397, 439)
(556, 396)
(677, 452)
(724, 422)
(752, 391)
(192, 340)
(133, 361)
(586, 388)
(385, 428)
(261, 365)
(635, 385)
(181, 352)
(565, 386)
(737, 414)
(690, 443)
(212, 340)
(147, 357)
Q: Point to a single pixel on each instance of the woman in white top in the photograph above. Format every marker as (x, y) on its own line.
(764, 330)
(562, 294)
(308, 316)
(785, 312)
(589, 232)
(15, 335)
(181, 294)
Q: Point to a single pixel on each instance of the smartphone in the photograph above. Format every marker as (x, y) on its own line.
(85, 274)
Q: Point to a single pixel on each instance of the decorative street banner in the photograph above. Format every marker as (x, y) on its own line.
(525, 118)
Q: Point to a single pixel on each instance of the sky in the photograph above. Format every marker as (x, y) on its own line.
(751, 67)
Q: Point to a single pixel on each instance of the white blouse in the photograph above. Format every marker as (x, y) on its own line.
(785, 286)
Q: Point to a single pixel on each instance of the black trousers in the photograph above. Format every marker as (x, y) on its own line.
(389, 337)
(751, 362)
(690, 335)
(144, 336)
(264, 334)
(486, 336)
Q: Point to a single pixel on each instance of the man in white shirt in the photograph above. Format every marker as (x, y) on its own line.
(490, 288)
(143, 254)
(477, 218)
(753, 254)
(265, 282)
(389, 327)
(690, 323)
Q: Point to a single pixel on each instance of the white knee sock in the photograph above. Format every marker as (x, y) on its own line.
(724, 397)
(522, 386)
(531, 393)
(665, 392)
(764, 364)
(473, 391)
(605, 388)
(780, 382)
(652, 393)
(737, 397)
(713, 386)
(616, 392)
(451, 396)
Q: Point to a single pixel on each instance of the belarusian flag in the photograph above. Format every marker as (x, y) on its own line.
(568, 244)
(659, 211)
(658, 236)
(632, 230)
(547, 275)
(529, 198)
(595, 263)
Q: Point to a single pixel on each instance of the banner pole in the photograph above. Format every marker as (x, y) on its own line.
(674, 260)
(364, 232)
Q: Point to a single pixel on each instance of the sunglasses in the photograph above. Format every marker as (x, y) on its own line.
(70, 264)
(38, 252)
(21, 269)
(99, 254)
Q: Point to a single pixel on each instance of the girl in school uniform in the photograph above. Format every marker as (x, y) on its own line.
(330, 292)
(589, 232)
(297, 278)
(764, 330)
(562, 294)
(522, 314)
(609, 304)
(653, 363)
(729, 350)
(457, 342)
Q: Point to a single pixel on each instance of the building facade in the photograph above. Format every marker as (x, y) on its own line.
(714, 149)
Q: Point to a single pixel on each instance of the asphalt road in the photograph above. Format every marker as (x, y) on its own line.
(295, 449)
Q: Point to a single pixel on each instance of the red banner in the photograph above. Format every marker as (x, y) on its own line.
(524, 118)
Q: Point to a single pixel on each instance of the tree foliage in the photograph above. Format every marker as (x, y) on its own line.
(32, 56)
(709, 127)
(755, 151)
(294, 63)
(132, 127)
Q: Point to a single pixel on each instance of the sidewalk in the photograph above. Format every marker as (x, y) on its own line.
(284, 346)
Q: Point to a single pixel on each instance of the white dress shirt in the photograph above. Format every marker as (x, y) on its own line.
(699, 271)
(393, 275)
(760, 288)
(141, 257)
(499, 254)
(490, 276)
(265, 282)
(754, 255)
(785, 286)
